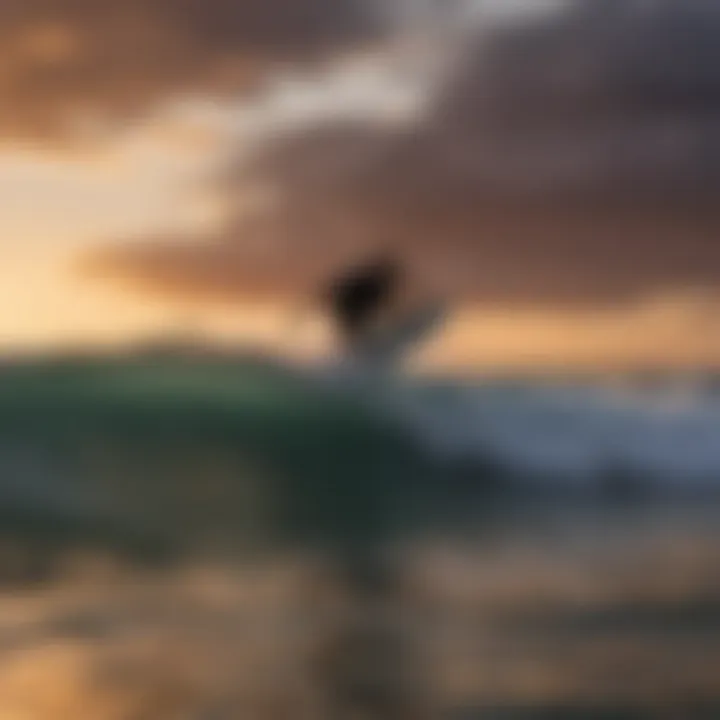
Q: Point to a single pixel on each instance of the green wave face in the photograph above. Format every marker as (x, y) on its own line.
(152, 458)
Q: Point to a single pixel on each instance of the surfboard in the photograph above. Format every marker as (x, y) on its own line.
(388, 347)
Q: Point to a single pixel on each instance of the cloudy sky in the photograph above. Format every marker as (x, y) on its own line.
(553, 167)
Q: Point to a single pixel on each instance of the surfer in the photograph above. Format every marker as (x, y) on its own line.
(371, 317)
(357, 298)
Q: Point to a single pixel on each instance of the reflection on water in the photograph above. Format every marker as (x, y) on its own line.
(519, 623)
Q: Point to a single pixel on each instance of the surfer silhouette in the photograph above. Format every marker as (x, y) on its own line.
(359, 296)
(373, 321)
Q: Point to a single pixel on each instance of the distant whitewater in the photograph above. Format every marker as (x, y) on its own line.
(585, 438)
(572, 437)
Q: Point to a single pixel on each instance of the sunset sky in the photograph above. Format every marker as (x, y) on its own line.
(553, 167)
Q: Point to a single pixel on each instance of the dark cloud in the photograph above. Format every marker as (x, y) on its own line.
(574, 158)
(63, 59)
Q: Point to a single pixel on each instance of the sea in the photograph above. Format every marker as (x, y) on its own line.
(558, 535)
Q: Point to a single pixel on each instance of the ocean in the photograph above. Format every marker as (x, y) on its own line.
(558, 540)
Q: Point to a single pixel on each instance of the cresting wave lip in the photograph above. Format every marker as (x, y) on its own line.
(580, 437)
